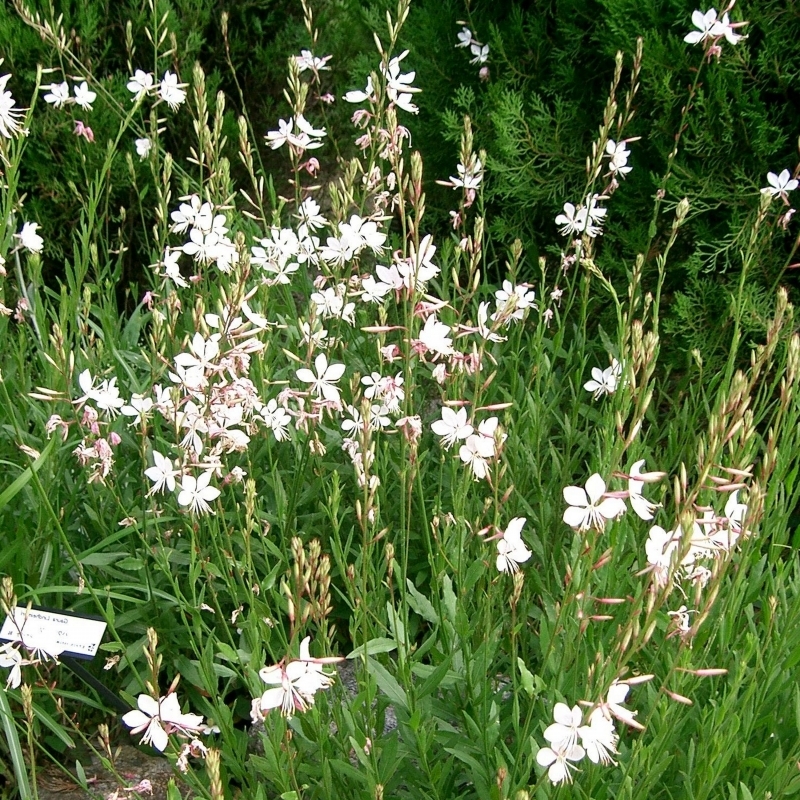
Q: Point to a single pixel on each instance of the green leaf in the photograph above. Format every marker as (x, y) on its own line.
(526, 676)
(373, 646)
(420, 603)
(14, 747)
(22, 481)
(387, 683)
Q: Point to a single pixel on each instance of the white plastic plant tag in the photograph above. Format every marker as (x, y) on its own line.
(54, 632)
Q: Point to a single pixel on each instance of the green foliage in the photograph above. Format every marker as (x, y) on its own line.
(389, 559)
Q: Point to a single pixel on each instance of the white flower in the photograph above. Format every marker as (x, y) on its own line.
(294, 685)
(184, 217)
(159, 718)
(29, 239)
(659, 547)
(398, 85)
(308, 214)
(106, 395)
(604, 381)
(710, 28)
(780, 184)
(512, 301)
(322, 383)
(618, 157)
(307, 60)
(9, 113)
(480, 53)
(707, 26)
(143, 148)
(564, 731)
(171, 269)
(572, 220)
(171, 91)
(644, 508)
(452, 427)
(511, 550)
(83, 96)
(11, 659)
(138, 409)
(557, 759)
(58, 95)
(140, 84)
(465, 37)
(162, 474)
(617, 694)
(197, 494)
(476, 452)
(277, 419)
(599, 738)
(435, 336)
(587, 509)
(359, 97)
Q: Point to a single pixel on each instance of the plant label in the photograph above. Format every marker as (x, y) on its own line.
(54, 632)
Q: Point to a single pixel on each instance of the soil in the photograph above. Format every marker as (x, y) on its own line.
(132, 765)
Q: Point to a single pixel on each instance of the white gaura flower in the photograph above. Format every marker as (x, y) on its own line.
(659, 547)
(476, 452)
(572, 220)
(197, 494)
(618, 154)
(641, 505)
(58, 96)
(779, 185)
(29, 239)
(707, 26)
(599, 738)
(512, 301)
(162, 474)
(356, 96)
(171, 91)
(277, 419)
(558, 760)
(587, 508)
(10, 115)
(307, 60)
(511, 550)
(452, 427)
(138, 409)
(84, 97)
(604, 381)
(480, 53)
(294, 685)
(12, 660)
(143, 148)
(564, 731)
(158, 718)
(612, 707)
(322, 383)
(140, 84)
(465, 37)
(435, 336)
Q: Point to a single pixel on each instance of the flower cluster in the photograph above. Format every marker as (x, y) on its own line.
(169, 90)
(59, 95)
(293, 684)
(157, 719)
(598, 740)
(711, 29)
(593, 507)
(582, 220)
(480, 52)
(689, 555)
